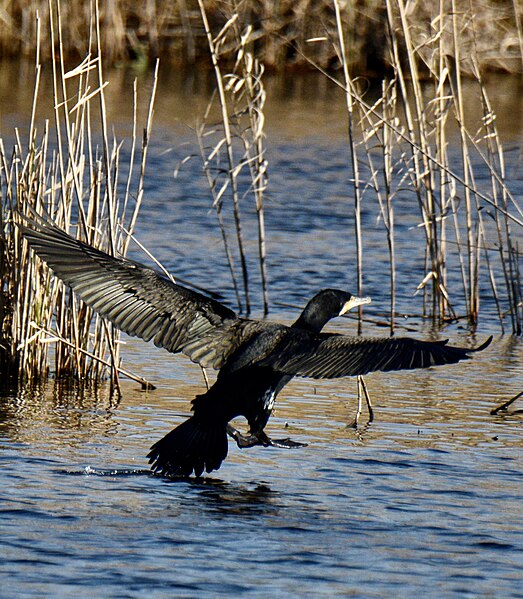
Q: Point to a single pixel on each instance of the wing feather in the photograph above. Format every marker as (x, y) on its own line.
(144, 303)
(331, 356)
(139, 300)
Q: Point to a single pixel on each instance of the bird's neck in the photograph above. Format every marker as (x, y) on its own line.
(309, 322)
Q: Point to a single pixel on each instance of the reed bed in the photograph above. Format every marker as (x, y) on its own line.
(71, 171)
(398, 152)
(282, 30)
(402, 152)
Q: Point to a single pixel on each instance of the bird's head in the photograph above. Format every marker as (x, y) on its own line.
(325, 305)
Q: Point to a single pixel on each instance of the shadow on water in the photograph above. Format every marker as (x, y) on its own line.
(214, 493)
(233, 499)
(223, 496)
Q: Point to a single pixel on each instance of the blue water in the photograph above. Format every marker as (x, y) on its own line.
(427, 498)
(331, 531)
(424, 500)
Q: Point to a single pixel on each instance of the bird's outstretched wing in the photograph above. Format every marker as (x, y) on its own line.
(138, 300)
(331, 355)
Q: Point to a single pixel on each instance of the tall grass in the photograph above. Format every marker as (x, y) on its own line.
(403, 151)
(233, 150)
(398, 151)
(70, 170)
(398, 148)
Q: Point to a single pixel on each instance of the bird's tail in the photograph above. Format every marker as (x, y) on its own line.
(196, 445)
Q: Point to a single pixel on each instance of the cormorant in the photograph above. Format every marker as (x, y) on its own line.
(255, 359)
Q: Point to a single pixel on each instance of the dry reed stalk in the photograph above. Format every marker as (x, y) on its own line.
(506, 404)
(353, 155)
(239, 144)
(414, 151)
(508, 248)
(436, 234)
(207, 160)
(438, 211)
(248, 95)
(232, 171)
(422, 175)
(468, 274)
(145, 145)
(72, 183)
(382, 180)
(516, 4)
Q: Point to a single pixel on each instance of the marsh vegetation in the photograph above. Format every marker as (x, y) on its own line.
(408, 185)
(398, 151)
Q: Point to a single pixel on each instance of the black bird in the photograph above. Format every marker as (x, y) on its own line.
(255, 359)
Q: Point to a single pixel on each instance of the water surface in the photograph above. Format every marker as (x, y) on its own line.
(425, 499)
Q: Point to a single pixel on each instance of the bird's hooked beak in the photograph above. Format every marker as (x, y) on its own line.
(353, 302)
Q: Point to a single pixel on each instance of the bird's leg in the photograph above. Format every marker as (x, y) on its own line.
(260, 438)
(284, 443)
(244, 441)
(362, 390)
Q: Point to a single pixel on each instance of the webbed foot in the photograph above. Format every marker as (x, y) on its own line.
(286, 443)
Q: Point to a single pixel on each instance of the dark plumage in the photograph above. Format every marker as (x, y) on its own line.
(255, 359)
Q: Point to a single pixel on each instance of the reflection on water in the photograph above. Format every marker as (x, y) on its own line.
(36, 414)
(425, 499)
(298, 106)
